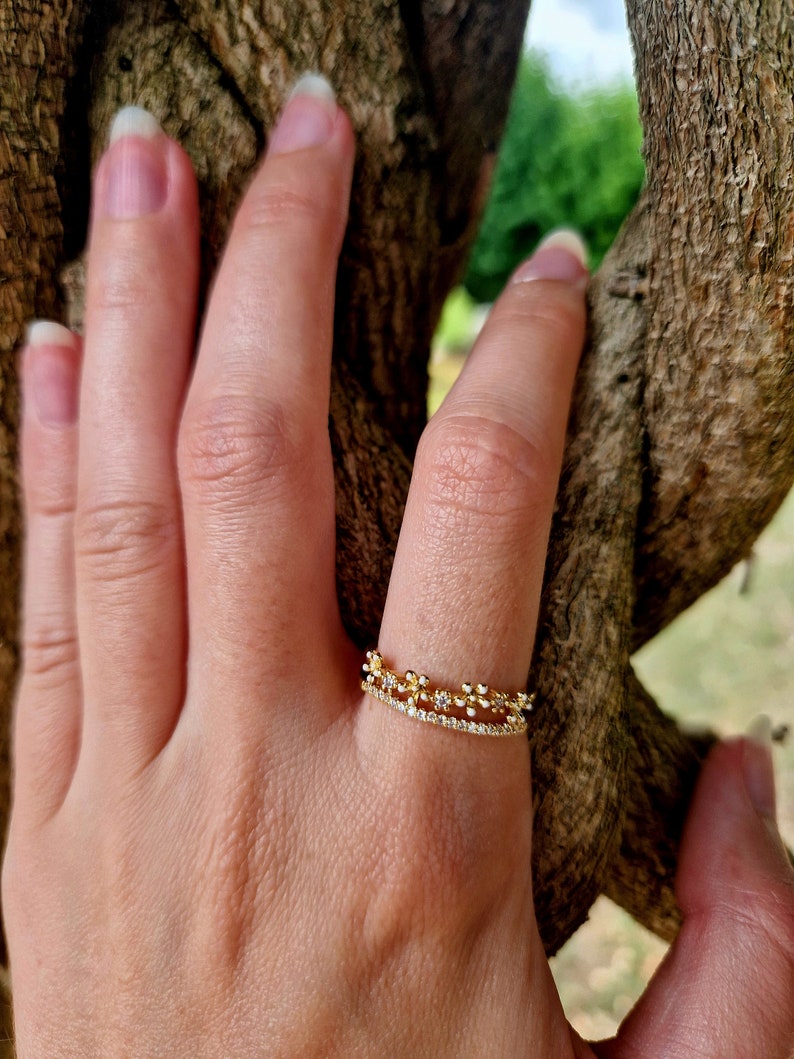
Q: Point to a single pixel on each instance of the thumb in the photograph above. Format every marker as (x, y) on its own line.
(726, 988)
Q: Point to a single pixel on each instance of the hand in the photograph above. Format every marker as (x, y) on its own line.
(219, 846)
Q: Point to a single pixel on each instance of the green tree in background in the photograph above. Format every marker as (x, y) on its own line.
(568, 157)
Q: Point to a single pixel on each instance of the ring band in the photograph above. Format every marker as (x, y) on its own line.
(476, 708)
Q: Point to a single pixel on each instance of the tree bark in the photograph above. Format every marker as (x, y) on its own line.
(681, 444)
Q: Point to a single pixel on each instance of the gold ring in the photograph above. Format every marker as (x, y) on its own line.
(476, 708)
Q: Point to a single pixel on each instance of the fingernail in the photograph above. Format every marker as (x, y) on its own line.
(133, 121)
(309, 116)
(53, 372)
(137, 179)
(561, 256)
(757, 766)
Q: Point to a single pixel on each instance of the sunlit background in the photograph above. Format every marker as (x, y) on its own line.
(571, 156)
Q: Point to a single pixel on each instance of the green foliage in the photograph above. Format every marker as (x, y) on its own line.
(568, 158)
(455, 327)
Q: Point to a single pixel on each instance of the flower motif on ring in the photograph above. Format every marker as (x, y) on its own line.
(414, 685)
(469, 700)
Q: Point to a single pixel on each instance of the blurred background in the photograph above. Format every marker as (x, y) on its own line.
(571, 157)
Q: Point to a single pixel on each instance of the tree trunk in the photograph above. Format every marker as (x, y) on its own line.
(681, 444)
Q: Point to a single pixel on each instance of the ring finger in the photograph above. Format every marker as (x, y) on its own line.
(465, 588)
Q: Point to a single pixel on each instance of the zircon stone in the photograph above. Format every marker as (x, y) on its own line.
(442, 700)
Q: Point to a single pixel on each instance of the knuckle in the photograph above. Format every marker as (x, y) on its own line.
(480, 470)
(230, 447)
(551, 313)
(121, 286)
(50, 654)
(120, 538)
(268, 205)
(51, 499)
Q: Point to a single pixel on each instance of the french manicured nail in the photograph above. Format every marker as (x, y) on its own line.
(53, 372)
(309, 116)
(757, 766)
(137, 178)
(561, 256)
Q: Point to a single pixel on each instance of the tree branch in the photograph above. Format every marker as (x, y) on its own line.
(718, 404)
(663, 767)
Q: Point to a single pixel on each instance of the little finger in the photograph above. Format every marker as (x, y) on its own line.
(48, 714)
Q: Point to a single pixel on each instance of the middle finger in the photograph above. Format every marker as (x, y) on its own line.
(254, 453)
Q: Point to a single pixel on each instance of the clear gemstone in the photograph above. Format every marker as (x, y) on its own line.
(389, 681)
(443, 700)
(411, 711)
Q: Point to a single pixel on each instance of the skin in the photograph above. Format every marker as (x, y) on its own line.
(219, 846)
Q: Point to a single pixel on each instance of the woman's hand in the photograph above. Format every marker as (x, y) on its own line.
(219, 845)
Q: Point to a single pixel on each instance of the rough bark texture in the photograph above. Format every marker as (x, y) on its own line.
(681, 444)
(716, 90)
